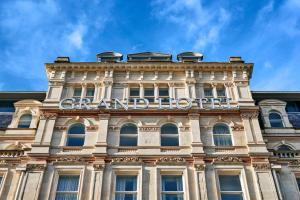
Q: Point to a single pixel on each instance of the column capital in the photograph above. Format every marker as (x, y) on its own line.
(104, 116)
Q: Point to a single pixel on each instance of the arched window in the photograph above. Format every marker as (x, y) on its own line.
(76, 135)
(275, 120)
(222, 136)
(169, 135)
(285, 151)
(25, 121)
(128, 135)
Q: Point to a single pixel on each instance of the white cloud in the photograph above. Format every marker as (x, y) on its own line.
(201, 25)
(76, 36)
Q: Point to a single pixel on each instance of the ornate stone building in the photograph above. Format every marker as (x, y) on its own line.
(149, 129)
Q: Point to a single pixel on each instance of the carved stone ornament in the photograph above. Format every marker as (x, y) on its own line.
(184, 128)
(61, 128)
(171, 160)
(149, 128)
(249, 115)
(92, 128)
(261, 166)
(46, 115)
(126, 160)
(69, 159)
(199, 167)
(35, 167)
(113, 128)
(228, 159)
(294, 163)
(237, 127)
(98, 166)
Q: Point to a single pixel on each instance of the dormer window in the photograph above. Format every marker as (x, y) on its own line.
(285, 151)
(25, 121)
(275, 120)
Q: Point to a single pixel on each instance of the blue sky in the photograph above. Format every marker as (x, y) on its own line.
(264, 32)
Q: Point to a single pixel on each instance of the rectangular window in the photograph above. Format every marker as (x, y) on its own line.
(67, 187)
(221, 92)
(230, 187)
(90, 93)
(126, 187)
(298, 182)
(149, 94)
(77, 93)
(134, 93)
(208, 93)
(171, 187)
(164, 94)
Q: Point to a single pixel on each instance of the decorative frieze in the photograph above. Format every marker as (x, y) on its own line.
(249, 115)
(35, 167)
(261, 166)
(149, 129)
(199, 167)
(126, 160)
(172, 160)
(228, 159)
(47, 115)
(99, 166)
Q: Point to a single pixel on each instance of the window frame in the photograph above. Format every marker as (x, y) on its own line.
(151, 97)
(165, 98)
(132, 97)
(172, 171)
(177, 135)
(75, 96)
(68, 135)
(232, 171)
(212, 92)
(128, 171)
(90, 97)
(281, 119)
(30, 122)
(229, 135)
(3, 174)
(136, 135)
(64, 171)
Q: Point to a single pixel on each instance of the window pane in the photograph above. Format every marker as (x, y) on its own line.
(230, 183)
(169, 129)
(77, 129)
(126, 183)
(169, 141)
(25, 121)
(66, 197)
(208, 92)
(275, 120)
(149, 92)
(231, 197)
(72, 141)
(222, 140)
(90, 92)
(221, 129)
(128, 129)
(128, 141)
(77, 92)
(298, 182)
(163, 91)
(172, 183)
(221, 92)
(172, 197)
(135, 92)
(67, 183)
(125, 196)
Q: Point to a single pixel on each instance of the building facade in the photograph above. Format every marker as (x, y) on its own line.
(149, 129)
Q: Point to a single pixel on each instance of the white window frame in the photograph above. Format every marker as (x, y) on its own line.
(65, 171)
(176, 171)
(128, 171)
(230, 133)
(232, 171)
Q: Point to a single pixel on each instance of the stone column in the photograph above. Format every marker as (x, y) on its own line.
(83, 90)
(96, 182)
(197, 146)
(200, 180)
(265, 181)
(171, 87)
(101, 143)
(141, 90)
(214, 90)
(32, 181)
(156, 92)
(126, 91)
(97, 92)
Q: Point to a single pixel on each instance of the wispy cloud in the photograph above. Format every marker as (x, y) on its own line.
(200, 24)
(35, 32)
